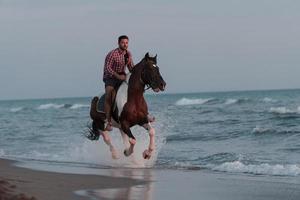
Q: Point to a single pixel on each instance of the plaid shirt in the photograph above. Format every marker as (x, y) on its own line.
(115, 62)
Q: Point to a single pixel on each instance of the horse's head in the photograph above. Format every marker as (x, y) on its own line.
(151, 75)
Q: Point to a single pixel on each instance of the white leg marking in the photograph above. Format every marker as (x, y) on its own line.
(147, 153)
(107, 140)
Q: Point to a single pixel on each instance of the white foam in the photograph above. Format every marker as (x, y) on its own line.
(183, 165)
(186, 101)
(259, 129)
(2, 153)
(98, 152)
(231, 101)
(76, 106)
(16, 109)
(50, 105)
(265, 169)
(267, 100)
(284, 110)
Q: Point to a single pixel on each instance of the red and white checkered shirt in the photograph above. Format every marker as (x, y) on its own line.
(115, 62)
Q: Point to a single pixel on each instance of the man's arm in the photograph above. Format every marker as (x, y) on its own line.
(130, 63)
(109, 61)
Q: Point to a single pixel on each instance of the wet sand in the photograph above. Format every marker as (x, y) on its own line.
(167, 184)
(22, 183)
(148, 184)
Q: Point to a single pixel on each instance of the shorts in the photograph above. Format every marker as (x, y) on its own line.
(112, 82)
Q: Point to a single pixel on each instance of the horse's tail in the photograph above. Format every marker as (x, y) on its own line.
(94, 114)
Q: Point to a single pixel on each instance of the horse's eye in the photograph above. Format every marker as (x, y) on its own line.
(154, 65)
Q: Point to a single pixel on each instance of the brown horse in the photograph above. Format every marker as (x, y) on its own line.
(130, 107)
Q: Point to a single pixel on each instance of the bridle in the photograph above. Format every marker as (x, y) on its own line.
(143, 82)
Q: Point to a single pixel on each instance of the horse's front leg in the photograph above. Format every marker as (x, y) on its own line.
(148, 152)
(126, 129)
(125, 139)
(107, 140)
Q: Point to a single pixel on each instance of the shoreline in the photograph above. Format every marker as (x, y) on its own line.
(141, 183)
(26, 184)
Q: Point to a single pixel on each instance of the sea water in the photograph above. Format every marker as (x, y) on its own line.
(253, 132)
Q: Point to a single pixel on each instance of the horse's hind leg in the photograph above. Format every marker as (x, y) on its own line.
(148, 152)
(107, 140)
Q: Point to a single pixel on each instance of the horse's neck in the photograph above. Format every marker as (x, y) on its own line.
(135, 85)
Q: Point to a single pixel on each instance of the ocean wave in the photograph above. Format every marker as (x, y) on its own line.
(231, 101)
(220, 158)
(259, 130)
(76, 106)
(236, 101)
(291, 149)
(16, 109)
(50, 105)
(259, 169)
(58, 106)
(195, 138)
(268, 100)
(185, 166)
(273, 131)
(2, 153)
(284, 110)
(186, 101)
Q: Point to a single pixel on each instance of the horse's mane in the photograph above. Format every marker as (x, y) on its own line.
(137, 66)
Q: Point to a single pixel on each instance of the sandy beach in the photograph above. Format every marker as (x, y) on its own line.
(21, 183)
(24, 183)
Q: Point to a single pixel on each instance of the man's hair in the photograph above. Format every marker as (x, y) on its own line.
(122, 37)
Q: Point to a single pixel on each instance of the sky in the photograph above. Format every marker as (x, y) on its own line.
(56, 48)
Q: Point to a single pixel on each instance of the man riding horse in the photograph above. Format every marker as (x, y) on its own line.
(130, 107)
(114, 74)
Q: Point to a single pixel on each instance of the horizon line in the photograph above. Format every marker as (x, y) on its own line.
(166, 93)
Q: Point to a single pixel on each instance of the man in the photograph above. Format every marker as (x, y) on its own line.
(114, 74)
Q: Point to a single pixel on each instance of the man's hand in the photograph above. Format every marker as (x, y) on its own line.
(120, 77)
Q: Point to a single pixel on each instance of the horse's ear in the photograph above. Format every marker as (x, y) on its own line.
(147, 56)
(155, 57)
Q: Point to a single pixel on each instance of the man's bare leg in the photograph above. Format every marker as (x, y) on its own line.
(107, 106)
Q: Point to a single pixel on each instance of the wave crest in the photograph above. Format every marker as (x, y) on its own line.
(185, 101)
(231, 101)
(76, 106)
(259, 130)
(284, 110)
(268, 100)
(265, 169)
(50, 105)
(57, 106)
(16, 109)
(2, 153)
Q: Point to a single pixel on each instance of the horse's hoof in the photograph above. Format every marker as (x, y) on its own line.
(146, 154)
(92, 135)
(127, 152)
(115, 156)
